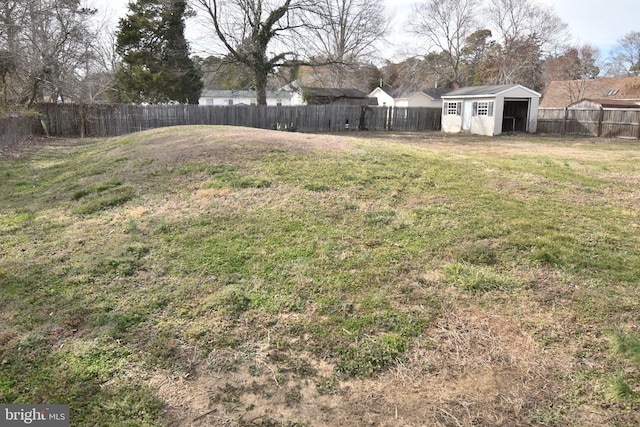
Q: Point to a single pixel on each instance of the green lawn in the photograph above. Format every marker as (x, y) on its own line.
(219, 275)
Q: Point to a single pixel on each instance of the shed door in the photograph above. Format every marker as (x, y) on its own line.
(516, 115)
(467, 111)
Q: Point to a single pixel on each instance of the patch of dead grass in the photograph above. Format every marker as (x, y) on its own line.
(474, 368)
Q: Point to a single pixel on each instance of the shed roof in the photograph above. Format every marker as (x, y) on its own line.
(489, 90)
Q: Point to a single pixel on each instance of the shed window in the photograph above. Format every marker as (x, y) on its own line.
(452, 108)
(483, 108)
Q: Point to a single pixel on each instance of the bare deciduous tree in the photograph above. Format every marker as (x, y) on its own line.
(525, 31)
(50, 44)
(576, 66)
(445, 25)
(344, 33)
(626, 56)
(250, 30)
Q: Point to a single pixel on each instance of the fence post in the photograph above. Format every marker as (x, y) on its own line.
(638, 124)
(600, 118)
(564, 120)
(363, 118)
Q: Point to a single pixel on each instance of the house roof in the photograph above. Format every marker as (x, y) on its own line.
(433, 93)
(335, 92)
(612, 103)
(436, 93)
(561, 93)
(481, 91)
(387, 89)
(411, 94)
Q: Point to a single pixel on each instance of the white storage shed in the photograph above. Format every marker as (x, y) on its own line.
(490, 110)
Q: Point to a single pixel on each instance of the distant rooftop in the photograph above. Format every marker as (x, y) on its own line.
(561, 93)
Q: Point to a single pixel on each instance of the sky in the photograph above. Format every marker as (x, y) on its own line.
(600, 23)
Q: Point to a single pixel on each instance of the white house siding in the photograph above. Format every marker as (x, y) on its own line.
(241, 97)
(432, 103)
(384, 99)
(224, 100)
(418, 99)
(421, 99)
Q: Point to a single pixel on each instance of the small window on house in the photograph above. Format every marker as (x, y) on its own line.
(279, 104)
(230, 102)
(483, 109)
(253, 102)
(452, 108)
(209, 101)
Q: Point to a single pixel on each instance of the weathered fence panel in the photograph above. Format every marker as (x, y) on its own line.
(582, 122)
(120, 119)
(597, 122)
(15, 128)
(416, 118)
(620, 123)
(551, 120)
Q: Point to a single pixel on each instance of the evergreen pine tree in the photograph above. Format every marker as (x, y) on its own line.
(156, 67)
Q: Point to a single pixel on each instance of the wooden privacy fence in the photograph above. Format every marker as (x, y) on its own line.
(15, 128)
(120, 119)
(608, 123)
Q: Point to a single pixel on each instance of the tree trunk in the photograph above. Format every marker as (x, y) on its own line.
(261, 87)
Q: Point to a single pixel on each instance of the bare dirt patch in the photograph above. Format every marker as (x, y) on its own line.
(34, 144)
(474, 368)
(175, 146)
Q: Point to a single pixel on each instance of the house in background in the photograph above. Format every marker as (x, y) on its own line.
(242, 97)
(490, 110)
(561, 94)
(386, 96)
(304, 95)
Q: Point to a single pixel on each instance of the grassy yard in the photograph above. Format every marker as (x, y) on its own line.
(228, 276)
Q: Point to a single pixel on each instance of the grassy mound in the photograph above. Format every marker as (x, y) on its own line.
(211, 275)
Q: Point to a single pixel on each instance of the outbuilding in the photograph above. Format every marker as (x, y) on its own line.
(490, 110)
